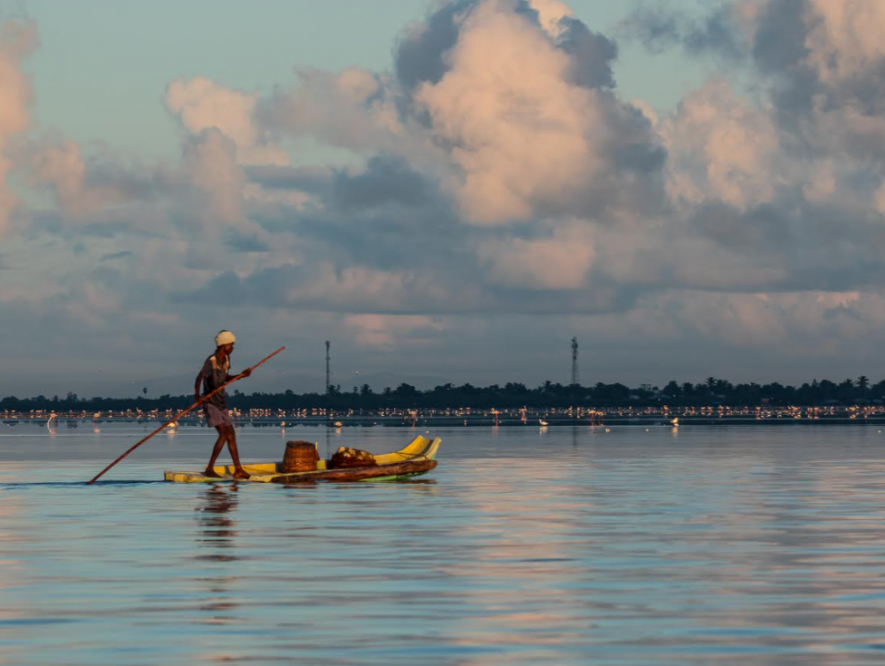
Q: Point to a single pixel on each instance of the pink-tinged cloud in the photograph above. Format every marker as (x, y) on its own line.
(720, 147)
(351, 289)
(791, 323)
(201, 104)
(353, 109)
(498, 171)
(59, 166)
(209, 208)
(17, 40)
(560, 261)
(844, 38)
(386, 332)
(522, 134)
(216, 180)
(550, 13)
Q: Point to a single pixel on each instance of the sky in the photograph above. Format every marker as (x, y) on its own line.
(446, 191)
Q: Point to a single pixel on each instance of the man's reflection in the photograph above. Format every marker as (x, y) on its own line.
(218, 534)
(217, 527)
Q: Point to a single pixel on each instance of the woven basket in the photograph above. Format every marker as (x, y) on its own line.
(300, 457)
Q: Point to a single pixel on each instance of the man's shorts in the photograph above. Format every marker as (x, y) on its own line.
(216, 416)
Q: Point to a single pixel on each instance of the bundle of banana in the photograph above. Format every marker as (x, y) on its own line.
(346, 457)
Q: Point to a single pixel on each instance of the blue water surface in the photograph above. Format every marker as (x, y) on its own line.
(726, 545)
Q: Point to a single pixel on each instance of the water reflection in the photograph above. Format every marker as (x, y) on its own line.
(217, 527)
(803, 557)
(639, 546)
(218, 534)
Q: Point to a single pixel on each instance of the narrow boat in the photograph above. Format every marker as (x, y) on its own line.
(415, 459)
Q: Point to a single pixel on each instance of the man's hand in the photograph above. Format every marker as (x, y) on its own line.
(245, 373)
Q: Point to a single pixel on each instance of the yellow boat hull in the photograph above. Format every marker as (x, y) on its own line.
(389, 466)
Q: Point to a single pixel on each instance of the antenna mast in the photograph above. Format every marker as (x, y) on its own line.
(574, 361)
(328, 371)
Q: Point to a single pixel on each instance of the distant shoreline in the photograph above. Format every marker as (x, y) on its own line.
(472, 421)
(709, 399)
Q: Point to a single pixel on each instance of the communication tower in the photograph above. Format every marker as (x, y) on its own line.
(328, 368)
(574, 361)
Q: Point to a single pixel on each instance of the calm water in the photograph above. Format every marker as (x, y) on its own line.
(731, 545)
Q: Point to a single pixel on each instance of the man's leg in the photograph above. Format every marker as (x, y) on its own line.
(216, 451)
(239, 472)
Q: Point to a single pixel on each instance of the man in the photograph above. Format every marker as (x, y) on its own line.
(214, 374)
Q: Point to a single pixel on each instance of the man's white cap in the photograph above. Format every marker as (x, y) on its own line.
(224, 338)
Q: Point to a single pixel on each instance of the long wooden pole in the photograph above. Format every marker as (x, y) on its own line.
(180, 414)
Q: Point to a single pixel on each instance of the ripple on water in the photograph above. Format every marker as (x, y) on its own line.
(568, 547)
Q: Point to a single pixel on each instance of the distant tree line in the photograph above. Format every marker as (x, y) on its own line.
(513, 394)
